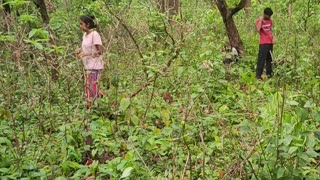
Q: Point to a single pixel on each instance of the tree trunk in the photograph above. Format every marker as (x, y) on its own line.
(247, 8)
(174, 7)
(161, 6)
(41, 5)
(233, 34)
(232, 31)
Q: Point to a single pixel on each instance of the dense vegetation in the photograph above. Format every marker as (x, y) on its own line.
(172, 109)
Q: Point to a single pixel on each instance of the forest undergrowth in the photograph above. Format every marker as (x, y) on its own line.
(171, 109)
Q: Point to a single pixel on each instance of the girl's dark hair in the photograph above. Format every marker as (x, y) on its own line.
(89, 21)
(268, 11)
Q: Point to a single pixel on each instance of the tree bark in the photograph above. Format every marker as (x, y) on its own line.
(232, 31)
(161, 6)
(247, 8)
(41, 5)
(174, 7)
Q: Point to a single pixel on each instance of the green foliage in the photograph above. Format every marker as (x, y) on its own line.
(197, 119)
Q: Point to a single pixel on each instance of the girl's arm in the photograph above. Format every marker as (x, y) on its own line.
(99, 49)
(97, 43)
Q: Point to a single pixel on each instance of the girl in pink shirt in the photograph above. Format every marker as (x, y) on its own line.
(91, 55)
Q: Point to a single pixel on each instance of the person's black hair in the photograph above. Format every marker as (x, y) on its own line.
(268, 11)
(89, 21)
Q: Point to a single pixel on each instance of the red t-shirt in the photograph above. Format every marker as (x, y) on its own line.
(266, 32)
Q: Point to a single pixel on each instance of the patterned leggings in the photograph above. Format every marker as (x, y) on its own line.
(92, 87)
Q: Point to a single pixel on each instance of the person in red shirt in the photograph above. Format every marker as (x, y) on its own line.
(264, 28)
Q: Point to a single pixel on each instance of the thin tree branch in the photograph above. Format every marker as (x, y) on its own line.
(240, 6)
(127, 29)
(151, 98)
(151, 80)
(166, 31)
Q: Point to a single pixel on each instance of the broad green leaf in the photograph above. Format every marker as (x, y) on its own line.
(280, 173)
(316, 116)
(194, 95)
(180, 70)
(80, 173)
(152, 69)
(4, 170)
(32, 33)
(223, 108)
(40, 33)
(36, 174)
(94, 165)
(287, 140)
(244, 127)
(312, 153)
(16, 3)
(303, 156)
(252, 88)
(293, 103)
(126, 173)
(124, 104)
(292, 150)
(70, 164)
(297, 172)
(200, 90)
(29, 166)
(5, 141)
(165, 115)
(38, 46)
(8, 38)
(303, 114)
(311, 140)
(317, 134)
(122, 164)
(135, 120)
(308, 104)
(27, 18)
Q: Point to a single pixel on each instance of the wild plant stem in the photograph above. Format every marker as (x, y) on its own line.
(151, 97)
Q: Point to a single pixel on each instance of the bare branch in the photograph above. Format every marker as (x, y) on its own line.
(127, 29)
(175, 52)
(151, 80)
(240, 6)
